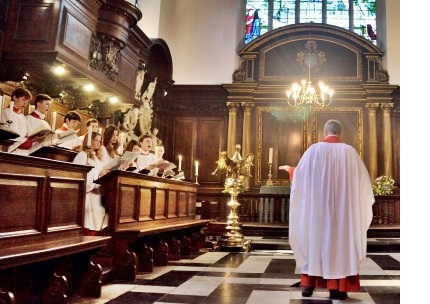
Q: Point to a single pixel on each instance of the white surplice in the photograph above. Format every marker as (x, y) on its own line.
(20, 126)
(96, 217)
(330, 211)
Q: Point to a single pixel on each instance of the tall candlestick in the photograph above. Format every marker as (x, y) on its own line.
(90, 133)
(53, 120)
(180, 163)
(270, 155)
(1, 104)
(121, 143)
(197, 167)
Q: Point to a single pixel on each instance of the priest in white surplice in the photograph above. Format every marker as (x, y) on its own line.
(330, 212)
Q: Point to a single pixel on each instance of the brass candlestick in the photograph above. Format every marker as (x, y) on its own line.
(236, 170)
(269, 180)
(88, 155)
(197, 178)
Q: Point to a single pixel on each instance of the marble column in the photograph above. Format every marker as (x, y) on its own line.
(232, 127)
(372, 165)
(388, 146)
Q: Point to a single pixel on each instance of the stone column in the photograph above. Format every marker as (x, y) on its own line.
(246, 133)
(232, 128)
(372, 165)
(388, 146)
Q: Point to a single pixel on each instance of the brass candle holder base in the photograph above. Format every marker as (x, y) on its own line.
(233, 239)
(236, 170)
(197, 178)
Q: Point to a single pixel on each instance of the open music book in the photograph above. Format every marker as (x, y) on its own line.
(40, 130)
(127, 158)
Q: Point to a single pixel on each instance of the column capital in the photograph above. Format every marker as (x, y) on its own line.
(372, 107)
(386, 107)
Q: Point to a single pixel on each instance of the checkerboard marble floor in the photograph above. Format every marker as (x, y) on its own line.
(254, 277)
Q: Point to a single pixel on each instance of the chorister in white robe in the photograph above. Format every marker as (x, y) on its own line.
(144, 160)
(35, 120)
(73, 143)
(20, 126)
(96, 217)
(330, 211)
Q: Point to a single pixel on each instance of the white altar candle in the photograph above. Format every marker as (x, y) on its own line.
(1, 103)
(53, 120)
(197, 167)
(121, 143)
(90, 133)
(270, 155)
(180, 163)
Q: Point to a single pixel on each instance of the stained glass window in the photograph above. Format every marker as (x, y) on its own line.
(265, 15)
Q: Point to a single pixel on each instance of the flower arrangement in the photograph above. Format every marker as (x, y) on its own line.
(383, 185)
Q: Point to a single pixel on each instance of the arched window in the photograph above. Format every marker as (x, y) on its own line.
(358, 16)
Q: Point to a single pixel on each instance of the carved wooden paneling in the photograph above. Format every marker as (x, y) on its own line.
(21, 202)
(184, 141)
(210, 142)
(145, 204)
(160, 204)
(63, 195)
(183, 203)
(76, 35)
(33, 26)
(35, 193)
(128, 194)
(192, 199)
(152, 201)
(173, 204)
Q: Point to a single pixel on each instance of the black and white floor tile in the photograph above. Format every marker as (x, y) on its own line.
(254, 277)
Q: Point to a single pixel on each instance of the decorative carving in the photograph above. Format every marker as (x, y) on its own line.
(381, 75)
(105, 55)
(239, 74)
(311, 59)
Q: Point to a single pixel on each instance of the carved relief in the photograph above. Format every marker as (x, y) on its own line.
(311, 58)
(105, 55)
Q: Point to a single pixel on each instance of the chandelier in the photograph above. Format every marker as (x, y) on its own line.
(306, 93)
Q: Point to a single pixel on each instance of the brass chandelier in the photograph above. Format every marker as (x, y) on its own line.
(306, 93)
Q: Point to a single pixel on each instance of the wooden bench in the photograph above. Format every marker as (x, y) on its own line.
(151, 220)
(51, 271)
(44, 258)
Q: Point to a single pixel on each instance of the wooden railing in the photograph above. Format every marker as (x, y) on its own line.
(274, 209)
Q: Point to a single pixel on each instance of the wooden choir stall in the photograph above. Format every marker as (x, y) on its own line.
(44, 257)
(151, 220)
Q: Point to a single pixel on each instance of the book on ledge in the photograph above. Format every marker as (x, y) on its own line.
(129, 157)
(7, 134)
(113, 164)
(67, 135)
